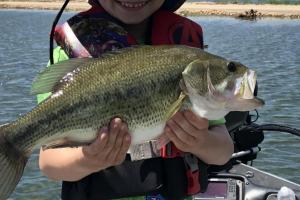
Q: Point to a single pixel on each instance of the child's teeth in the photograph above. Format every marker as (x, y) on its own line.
(132, 5)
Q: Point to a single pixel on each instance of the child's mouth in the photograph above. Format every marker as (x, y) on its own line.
(134, 4)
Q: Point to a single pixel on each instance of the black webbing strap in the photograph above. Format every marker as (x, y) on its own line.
(53, 29)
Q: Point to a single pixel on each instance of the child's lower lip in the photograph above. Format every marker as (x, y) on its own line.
(133, 5)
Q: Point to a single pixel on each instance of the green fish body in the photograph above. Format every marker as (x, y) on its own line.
(141, 85)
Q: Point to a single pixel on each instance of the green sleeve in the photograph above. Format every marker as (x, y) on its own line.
(58, 55)
(217, 122)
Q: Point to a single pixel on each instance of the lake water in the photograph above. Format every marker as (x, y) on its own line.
(270, 46)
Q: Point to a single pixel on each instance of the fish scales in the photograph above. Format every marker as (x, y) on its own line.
(141, 95)
(144, 86)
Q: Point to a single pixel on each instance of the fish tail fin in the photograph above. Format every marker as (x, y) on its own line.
(12, 164)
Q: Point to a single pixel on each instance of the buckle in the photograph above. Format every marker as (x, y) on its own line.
(144, 151)
(170, 151)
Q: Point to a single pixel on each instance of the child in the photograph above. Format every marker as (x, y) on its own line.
(143, 22)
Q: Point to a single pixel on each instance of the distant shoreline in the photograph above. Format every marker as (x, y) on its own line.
(189, 8)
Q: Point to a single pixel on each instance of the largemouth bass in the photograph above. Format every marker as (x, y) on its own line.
(143, 85)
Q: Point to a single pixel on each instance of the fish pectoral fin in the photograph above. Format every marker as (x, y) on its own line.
(175, 106)
(61, 143)
(183, 87)
(51, 78)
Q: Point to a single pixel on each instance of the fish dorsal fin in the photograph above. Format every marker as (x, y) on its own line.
(49, 79)
(175, 106)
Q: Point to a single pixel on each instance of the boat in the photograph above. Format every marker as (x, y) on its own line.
(238, 180)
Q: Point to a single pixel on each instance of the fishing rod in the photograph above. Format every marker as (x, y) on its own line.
(269, 127)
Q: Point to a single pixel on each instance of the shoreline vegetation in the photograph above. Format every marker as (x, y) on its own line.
(246, 11)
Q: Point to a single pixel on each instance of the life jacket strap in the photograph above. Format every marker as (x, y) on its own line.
(145, 150)
(170, 151)
(192, 174)
(192, 167)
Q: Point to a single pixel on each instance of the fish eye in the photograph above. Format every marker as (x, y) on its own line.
(231, 67)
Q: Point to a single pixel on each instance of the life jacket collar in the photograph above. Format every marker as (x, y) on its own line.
(93, 32)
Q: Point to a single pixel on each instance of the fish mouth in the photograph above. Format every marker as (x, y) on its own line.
(245, 85)
(244, 99)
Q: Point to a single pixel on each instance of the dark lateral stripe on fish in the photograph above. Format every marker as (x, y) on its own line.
(53, 117)
(42, 122)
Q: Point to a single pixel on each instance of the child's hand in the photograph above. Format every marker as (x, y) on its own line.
(110, 147)
(187, 131)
